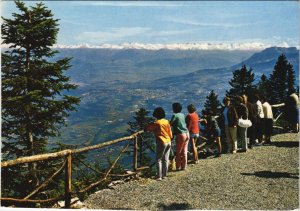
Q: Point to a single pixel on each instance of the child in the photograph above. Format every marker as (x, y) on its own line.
(182, 136)
(163, 134)
(212, 130)
(192, 120)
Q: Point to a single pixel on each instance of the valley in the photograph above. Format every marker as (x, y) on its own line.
(114, 84)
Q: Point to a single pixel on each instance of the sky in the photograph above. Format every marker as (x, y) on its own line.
(92, 23)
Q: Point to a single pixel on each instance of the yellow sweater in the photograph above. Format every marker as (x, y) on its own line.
(162, 130)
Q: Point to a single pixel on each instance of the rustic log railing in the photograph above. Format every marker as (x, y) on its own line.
(67, 166)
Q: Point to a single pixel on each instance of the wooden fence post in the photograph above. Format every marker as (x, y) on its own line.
(68, 181)
(135, 155)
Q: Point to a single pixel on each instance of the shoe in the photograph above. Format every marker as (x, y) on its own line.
(258, 144)
(159, 179)
(234, 152)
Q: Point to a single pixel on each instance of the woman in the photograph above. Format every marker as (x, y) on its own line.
(182, 136)
(163, 134)
(268, 120)
(192, 122)
(242, 112)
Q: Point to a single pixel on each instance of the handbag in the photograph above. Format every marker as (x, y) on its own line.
(172, 164)
(244, 123)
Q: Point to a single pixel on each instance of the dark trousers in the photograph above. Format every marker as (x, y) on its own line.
(259, 129)
(251, 134)
(268, 128)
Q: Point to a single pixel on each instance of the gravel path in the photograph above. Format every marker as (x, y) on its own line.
(264, 178)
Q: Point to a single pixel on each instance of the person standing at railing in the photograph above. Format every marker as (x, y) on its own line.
(192, 122)
(260, 118)
(268, 120)
(252, 115)
(291, 111)
(163, 135)
(182, 136)
(242, 112)
(230, 121)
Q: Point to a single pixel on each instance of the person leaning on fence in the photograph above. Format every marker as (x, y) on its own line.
(212, 130)
(230, 121)
(163, 135)
(268, 120)
(291, 111)
(242, 112)
(192, 122)
(182, 136)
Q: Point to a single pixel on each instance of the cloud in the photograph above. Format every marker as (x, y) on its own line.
(114, 34)
(129, 4)
(171, 32)
(203, 24)
(125, 34)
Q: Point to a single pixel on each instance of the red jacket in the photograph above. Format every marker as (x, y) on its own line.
(192, 122)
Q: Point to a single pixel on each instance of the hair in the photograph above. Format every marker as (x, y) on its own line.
(263, 99)
(239, 99)
(191, 108)
(256, 97)
(159, 113)
(226, 99)
(177, 107)
(245, 98)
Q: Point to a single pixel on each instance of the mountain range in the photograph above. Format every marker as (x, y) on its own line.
(261, 63)
(114, 83)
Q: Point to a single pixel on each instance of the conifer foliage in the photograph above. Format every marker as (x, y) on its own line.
(263, 86)
(34, 98)
(141, 120)
(212, 103)
(282, 80)
(242, 82)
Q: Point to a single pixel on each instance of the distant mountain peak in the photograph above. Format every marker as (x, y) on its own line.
(279, 49)
(179, 46)
(271, 54)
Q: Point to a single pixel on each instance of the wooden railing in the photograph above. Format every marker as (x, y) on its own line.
(67, 166)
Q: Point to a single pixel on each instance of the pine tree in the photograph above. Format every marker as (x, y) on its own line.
(291, 78)
(263, 86)
(242, 82)
(141, 120)
(212, 103)
(35, 103)
(282, 80)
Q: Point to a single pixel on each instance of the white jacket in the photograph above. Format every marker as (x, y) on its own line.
(268, 114)
(260, 111)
